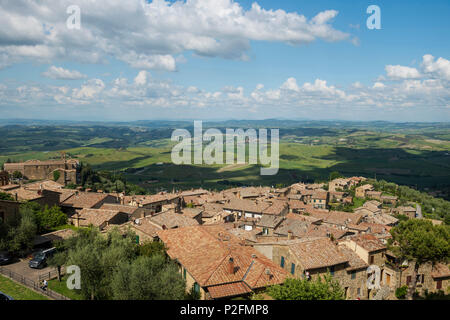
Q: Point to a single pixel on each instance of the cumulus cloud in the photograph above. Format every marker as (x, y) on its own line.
(89, 90)
(62, 74)
(439, 68)
(147, 35)
(141, 78)
(143, 93)
(402, 72)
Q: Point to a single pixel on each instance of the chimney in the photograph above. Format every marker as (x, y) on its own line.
(290, 235)
(231, 266)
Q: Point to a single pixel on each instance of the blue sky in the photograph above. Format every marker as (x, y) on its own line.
(222, 59)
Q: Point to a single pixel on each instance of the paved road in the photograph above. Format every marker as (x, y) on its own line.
(419, 214)
(24, 270)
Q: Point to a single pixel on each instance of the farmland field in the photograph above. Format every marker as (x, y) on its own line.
(411, 154)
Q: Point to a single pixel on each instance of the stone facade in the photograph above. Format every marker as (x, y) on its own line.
(41, 170)
(8, 210)
(4, 178)
(353, 281)
(396, 276)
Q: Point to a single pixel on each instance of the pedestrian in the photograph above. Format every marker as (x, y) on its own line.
(45, 285)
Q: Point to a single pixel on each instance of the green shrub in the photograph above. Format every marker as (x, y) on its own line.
(400, 293)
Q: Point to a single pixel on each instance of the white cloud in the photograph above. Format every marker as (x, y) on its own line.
(89, 90)
(141, 78)
(149, 35)
(378, 85)
(439, 68)
(139, 94)
(402, 72)
(62, 74)
(290, 84)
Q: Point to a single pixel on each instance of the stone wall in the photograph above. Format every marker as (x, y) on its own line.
(8, 210)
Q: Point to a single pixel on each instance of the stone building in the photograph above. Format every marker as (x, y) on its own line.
(41, 170)
(431, 277)
(8, 210)
(4, 178)
(215, 263)
(310, 258)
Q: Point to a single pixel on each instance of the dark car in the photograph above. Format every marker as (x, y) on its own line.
(39, 260)
(4, 297)
(5, 258)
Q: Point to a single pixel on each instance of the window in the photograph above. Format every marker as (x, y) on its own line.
(292, 268)
(196, 288)
(332, 270)
(408, 280)
(419, 278)
(353, 274)
(184, 273)
(359, 291)
(371, 259)
(439, 284)
(282, 262)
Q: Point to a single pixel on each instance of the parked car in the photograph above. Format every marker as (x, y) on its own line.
(5, 258)
(39, 259)
(4, 297)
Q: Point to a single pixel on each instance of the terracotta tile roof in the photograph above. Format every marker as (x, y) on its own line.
(298, 204)
(324, 231)
(157, 198)
(368, 242)
(375, 227)
(211, 209)
(354, 261)
(341, 217)
(358, 227)
(246, 205)
(24, 194)
(53, 236)
(229, 290)
(276, 208)
(96, 217)
(205, 252)
(297, 227)
(303, 217)
(191, 212)
(46, 184)
(119, 207)
(246, 235)
(84, 199)
(65, 194)
(317, 253)
(320, 194)
(337, 217)
(270, 221)
(144, 225)
(9, 187)
(440, 271)
(193, 192)
(383, 219)
(171, 220)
